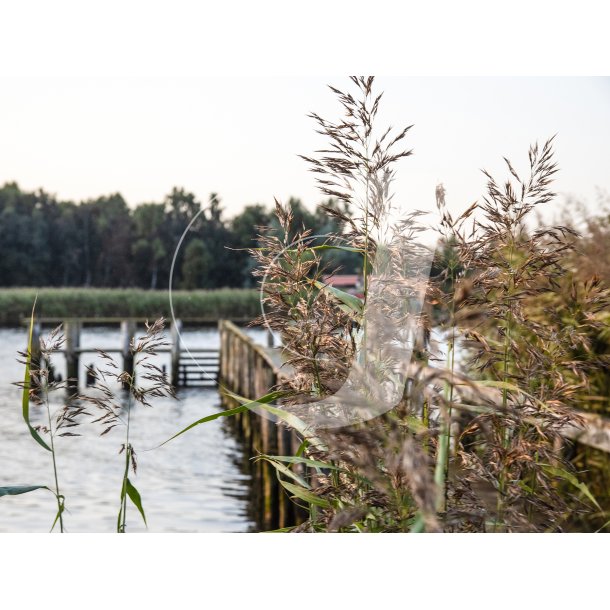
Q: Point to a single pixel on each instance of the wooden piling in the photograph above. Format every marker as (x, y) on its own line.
(128, 331)
(176, 327)
(36, 332)
(72, 330)
(250, 370)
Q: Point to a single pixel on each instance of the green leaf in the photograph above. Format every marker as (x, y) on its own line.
(227, 413)
(415, 425)
(15, 490)
(134, 496)
(292, 420)
(279, 467)
(293, 459)
(302, 447)
(120, 517)
(303, 494)
(570, 478)
(203, 420)
(419, 525)
(342, 248)
(60, 510)
(321, 247)
(353, 302)
(25, 401)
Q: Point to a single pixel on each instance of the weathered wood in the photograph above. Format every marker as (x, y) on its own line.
(251, 370)
(176, 327)
(72, 330)
(36, 332)
(128, 330)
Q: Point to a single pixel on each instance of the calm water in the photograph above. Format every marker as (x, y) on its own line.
(193, 484)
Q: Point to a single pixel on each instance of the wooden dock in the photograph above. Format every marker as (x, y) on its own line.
(188, 367)
(252, 370)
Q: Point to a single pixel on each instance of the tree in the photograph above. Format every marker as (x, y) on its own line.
(150, 248)
(196, 266)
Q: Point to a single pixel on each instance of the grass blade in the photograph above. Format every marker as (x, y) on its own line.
(303, 494)
(15, 490)
(570, 478)
(292, 420)
(353, 302)
(293, 459)
(60, 511)
(25, 401)
(227, 413)
(279, 467)
(134, 496)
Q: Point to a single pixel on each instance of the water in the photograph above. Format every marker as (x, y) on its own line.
(193, 484)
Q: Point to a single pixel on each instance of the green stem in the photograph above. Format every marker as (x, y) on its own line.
(439, 471)
(123, 520)
(451, 361)
(51, 434)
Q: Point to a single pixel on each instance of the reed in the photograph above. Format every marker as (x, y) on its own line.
(510, 396)
(16, 303)
(37, 387)
(145, 383)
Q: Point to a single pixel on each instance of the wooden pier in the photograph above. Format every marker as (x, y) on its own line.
(188, 367)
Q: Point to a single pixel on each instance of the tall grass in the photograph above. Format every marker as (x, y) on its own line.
(144, 383)
(508, 402)
(37, 387)
(16, 303)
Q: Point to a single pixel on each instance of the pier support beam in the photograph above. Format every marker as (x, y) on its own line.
(175, 351)
(128, 330)
(72, 333)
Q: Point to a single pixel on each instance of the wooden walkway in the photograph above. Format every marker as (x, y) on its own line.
(196, 366)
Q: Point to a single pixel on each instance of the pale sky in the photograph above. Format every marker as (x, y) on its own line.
(80, 138)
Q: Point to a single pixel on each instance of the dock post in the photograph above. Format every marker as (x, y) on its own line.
(36, 356)
(72, 333)
(36, 332)
(128, 330)
(175, 333)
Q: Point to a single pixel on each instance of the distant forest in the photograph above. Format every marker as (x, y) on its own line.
(105, 243)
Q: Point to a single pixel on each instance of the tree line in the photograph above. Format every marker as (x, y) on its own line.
(104, 242)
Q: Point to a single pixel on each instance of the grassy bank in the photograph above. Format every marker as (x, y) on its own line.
(16, 303)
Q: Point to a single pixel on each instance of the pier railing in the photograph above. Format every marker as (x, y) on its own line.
(251, 370)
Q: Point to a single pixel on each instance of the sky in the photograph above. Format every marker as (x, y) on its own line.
(240, 137)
